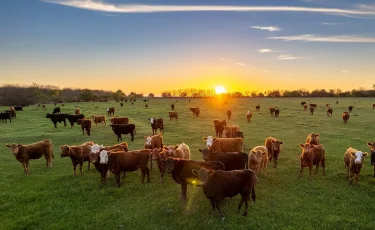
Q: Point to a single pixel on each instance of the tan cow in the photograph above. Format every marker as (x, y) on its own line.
(224, 144)
(230, 130)
(249, 115)
(313, 139)
(353, 160)
(273, 146)
(345, 117)
(99, 119)
(77, 111)
(173, 115)
(261, 154)
(312, 155)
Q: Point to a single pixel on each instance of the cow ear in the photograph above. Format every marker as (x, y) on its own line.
(317, 135)
(264, 153)
(281, 142)
(200, 150)
(19, 145)
(210, 172)
(365, 154)
(353, 153)
(214, 138)
(273, 141)
(253, 152)
(176, 147)
(145, 137)
(195, 172)
(369, 144)
(302, 145)
(204, 138)
(7, 146)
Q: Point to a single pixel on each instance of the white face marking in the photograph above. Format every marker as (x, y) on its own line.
(148, 140)
(170, 150)
(96, 148)
(358, 157)
(152, 121)
(210, 140)
(103, 157)
(248, 113)
(107, 109)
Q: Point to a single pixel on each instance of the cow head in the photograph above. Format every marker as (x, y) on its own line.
(152, 120)
(96, 148)
(104, 156)
(205, 153)
(248, 113)
(14, 148)
(276, 144)
(202, 174)
(48, 115)
(79, 121)
(94, 157)
(209, 141)
(372, 145)
(259, 153)
(359, 157)
(65, 151)
(155, 153)
(306, 150)
(238, 134)
(170, 164)
(314, 138)
(148, 140)
(171, 150)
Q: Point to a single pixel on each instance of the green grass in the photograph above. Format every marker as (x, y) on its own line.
(56, 199)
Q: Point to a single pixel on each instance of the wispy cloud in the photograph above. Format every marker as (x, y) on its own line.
(269, 28)
(265, 71)
(318, 38)
(289, 57)
(331, 23)
(240, 63)
(224, 59)
(132, 8)
(262, 51)
(356, 17)
(237, 63)
(344, 71)
(109, 15)
(290, 79)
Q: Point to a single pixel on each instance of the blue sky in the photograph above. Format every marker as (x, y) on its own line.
(148, 46)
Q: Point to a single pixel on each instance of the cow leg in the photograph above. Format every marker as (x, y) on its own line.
(80, 167)
(88, 168)
(64, 123)
(83, 131)
(143, 170)
(217, 204)
(300, 171)
(241, 203)
(373, 175)
(310, 169)
(148, 174)
(24, 167)
(27, 167)
(132, 136)
(74, 168)
(324, 166)
(274, 162)
(118, 179)
(212, 201)
(183, 191)
(123, 176)
(246, 205)
(317, 167)
(54, 123)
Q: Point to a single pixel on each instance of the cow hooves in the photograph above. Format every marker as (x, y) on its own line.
(245, 214)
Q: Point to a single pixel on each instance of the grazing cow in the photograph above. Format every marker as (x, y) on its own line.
(273, 147)
(238, 134)
(6, 116)
(249, 114)
(373, 106)
(329, 112)
(38, 105)
(12, 113)
(146, 105)
(18, 108)
(229, 114)
(173, 115)
(230, 130)
(312, 110)
(78, 154)
(126, 162)
(313, 139)
(73, 118)
(152, 142)
(257, 108)
(172, 106)
(195, 111)
(314, 106)
(312, 155)
(345, 117)
(99, 119)
(111, 111)
(219, 127)
(159, 155)
(220, 184)
(372, 147)
(224, 144)
(119, 120)
(304, 107)
(337, 102)
(182, 171)
(258, 159)
(57, 118)
(328, 105)
(277, 112)
(56, 110)
(353, 160)
(124, 129)
(122, 104)
(77, 111)
(85, 124)
(350, 108)
(272, 110)
(24, 153)
(303, 103)
(231, 160)
(44, 106)
(157, 123)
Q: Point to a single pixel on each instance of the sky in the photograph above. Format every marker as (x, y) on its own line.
(155, 45)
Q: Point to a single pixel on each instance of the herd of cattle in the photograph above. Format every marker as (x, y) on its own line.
(224, 172)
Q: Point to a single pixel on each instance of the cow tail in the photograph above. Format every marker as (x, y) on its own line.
(253, 196)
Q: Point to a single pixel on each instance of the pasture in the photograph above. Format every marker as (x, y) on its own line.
(53, 198)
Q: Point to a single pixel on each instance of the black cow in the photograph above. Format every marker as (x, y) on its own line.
(350, 108)
(73, 118)
(6, 116)
(57, 118)
(124, 129)
(231, 160)
(12, 113)
(18, 108)
(56, 110)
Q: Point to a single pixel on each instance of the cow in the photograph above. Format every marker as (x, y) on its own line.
(312, 110)
(173, 115)
(258, 159)
(77, 111)
(230, 130)
(6, 116)
(327, 106)
(337, 102)
(122, 104)
(314, 106)
(303, 103)
(182, 151)
(224, 144)
(78, 154)
(329, 112)
(172, 106)
(277, 112)
(313, 139)
(304, 107)
(56, 110)
(312, 155)
(249, 115)
(195, 111)
(229, 114)
(119, 120)
(353, 160)
(111, 111)
(182, 171)
(73, 118)
(125, 161)
(124, 129)
(157, 123)
(231, 160)
(373, 105)
(219, 127)
(57, 118)
(44, 106)
(146, 106)
(85, 124)
(155, 141)
(257, 108)
(12, 113)
(25, 153)
(220, 184)
(372, 148)
(273, 147)
(272, 110)
(160, 155)
(38, 105)
(99, 119)
(345, 117)
(18, 108)
(350, 108)
(238, 134)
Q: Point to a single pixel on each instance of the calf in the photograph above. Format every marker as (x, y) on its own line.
(353, 160)
(231, 160)
(172, 106)
(182, 171)
(56, 110)
(173, 115)
(258, 159)
(119, 120)
(312, 155)
(122, 104)
(219, 127)
(257, 108)
(85, 124)
(44, 107)
(272, 110)
(73, 118)
(111, 111)
(220, 184)
(312, 110)
(273, 147)
(230, 130)
(99, 119)
(196, 111)
(313, 139)
(329, 112)
(304, 107)
(157, 123)
(6, 116)
(25, 153)
(182, 151)
(224, 144)
(249, 114)
(57, 118)
(372, 147)
(277, 112)
(124, 129)
(345, 117)
(78, 154)
(77, 111)
(238, 134)
(229, 114)
(350, 108)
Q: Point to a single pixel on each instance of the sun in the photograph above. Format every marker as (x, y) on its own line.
(220, 89)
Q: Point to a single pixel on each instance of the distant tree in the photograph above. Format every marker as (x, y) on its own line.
(151, 95)
(166, 94)
(86, 95)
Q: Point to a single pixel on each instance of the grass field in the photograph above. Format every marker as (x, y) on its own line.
(56, 199)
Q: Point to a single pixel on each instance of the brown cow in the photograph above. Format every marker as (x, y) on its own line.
(312, 155)
(78, 154)
(77, 111)
(24, 153)
(314, 106)
(224, 144)
(350, 108)
(119, 120)
(273, 147)
(111, 111)
(231, 160)
(312, 110)
(345, 117)
(157, 123)
(152, 142)
(259, 160)
(85, 124)
(230, 130)
(99, 119)
(159, 155)
(329, 112)
(373, 106)
(277, 112)
(173, 115)
(272, 110)
(257, 108)
(196, 111)
(313, 139)
(372, 147)
(353, 160)
(219, 127)
(305, 107)
(229, 114)
(249, 114)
